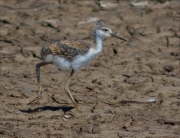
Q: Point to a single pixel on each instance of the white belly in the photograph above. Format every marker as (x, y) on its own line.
(58, 61)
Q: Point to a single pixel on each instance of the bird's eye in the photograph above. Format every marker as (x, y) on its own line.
(105, 30)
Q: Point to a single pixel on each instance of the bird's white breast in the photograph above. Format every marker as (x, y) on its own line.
(84, 60)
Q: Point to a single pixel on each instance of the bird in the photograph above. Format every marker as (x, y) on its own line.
(73, 55)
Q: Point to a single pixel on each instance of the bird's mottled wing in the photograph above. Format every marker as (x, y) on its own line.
(77, 44)
(66, 49)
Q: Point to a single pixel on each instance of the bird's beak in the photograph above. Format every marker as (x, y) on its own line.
(116, 36)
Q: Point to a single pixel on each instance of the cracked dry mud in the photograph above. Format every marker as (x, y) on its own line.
(131, 90)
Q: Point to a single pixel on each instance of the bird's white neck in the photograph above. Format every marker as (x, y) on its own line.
(98, 40)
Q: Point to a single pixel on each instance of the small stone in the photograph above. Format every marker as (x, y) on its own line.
(94, 81)
(175, 54)
(88, 128)
(9, 88)
(67, 116)
(109, 111)
(151, 100)
(128, 74)
(168, 68)
(64, 119)
(96, 129)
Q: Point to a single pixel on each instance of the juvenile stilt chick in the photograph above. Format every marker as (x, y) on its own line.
(72, 55)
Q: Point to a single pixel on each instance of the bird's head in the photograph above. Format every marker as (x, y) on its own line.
(102, 29)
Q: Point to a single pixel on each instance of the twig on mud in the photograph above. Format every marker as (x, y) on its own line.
(126, 102)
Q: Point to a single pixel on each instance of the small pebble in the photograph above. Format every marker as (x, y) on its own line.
(64, 119)
(151, 100)
(96, 129)
(67, 116)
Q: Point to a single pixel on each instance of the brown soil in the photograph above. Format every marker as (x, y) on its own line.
(131, 90)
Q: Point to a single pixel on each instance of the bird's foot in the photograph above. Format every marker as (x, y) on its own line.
(77, 108)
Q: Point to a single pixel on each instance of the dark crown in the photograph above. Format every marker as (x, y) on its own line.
(100, 24)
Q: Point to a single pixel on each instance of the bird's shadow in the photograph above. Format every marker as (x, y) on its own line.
(44, 108)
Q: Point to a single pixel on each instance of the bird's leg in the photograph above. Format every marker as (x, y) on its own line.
(68, 91)
(38, 80)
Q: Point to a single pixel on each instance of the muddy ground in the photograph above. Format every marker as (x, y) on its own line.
(131, 90)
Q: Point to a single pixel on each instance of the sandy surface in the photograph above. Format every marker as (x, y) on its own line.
(131, 90)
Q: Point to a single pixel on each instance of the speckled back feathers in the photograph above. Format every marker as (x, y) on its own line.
(66, 49)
